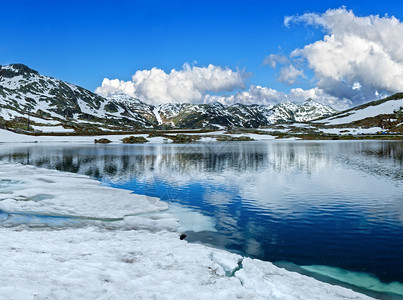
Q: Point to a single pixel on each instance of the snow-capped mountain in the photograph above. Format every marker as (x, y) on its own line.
(385, 113)
(50, 101)
(185, 115)
(54, 105)
(303, 112)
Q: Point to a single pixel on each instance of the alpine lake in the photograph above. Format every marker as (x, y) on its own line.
(332, 210)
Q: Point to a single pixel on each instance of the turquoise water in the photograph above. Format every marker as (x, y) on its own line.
(334, 209)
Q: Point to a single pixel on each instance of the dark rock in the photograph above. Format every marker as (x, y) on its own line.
(135, 140)
(102, 141)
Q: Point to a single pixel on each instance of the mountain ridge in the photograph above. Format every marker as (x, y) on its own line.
(50, 102)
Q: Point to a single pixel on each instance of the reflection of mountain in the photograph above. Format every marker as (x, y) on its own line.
(380, 158)
(198, 161)
(125, 162)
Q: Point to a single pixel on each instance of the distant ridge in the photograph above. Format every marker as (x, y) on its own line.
(385, 113)
(55, 105)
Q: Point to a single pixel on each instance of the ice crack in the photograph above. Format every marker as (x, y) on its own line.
(229, 264)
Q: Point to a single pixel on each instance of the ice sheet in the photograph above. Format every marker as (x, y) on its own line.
(94, 263)
(52, 192)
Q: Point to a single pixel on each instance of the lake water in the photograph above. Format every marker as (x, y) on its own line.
(329, 209)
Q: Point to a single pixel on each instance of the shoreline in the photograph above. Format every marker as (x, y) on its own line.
(140, 255)
(12, 137)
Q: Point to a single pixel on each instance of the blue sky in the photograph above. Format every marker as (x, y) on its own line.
(85, 41)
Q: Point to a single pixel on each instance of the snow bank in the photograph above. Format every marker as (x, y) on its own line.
(136, 257)
(94, 263)
(11, 137)
(370, 111)
(354, 131)
(51, 128)
(51, 192)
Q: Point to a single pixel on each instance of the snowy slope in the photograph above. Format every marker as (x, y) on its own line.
(185, 115)
(24, 91)
(383, 107)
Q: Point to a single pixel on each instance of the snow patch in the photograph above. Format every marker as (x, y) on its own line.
(370, 111)
(48, 129)
(72, 195)
(353, 131)
(157, 115)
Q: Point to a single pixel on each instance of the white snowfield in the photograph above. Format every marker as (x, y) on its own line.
(137, 257)
(11, 137)
(52, 129)
(50, 192)
(370, 111)
(354, 131)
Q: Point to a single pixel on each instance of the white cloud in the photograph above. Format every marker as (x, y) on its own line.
(356, 86)
(273, 59)
(115, 86)
(365, 50)
(255, 95)
(289, 74)
(358, 59)
(190, 84)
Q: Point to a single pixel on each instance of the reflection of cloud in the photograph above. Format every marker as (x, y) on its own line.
(253, 247)
(217, 197)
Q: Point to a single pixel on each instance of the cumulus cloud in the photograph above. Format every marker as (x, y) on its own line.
(255, 95)
(268, 96)
(289, 74)
(190, 84)
(358, 58)
(274, 59)
(195, 84)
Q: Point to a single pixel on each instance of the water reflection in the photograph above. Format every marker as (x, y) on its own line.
(312, 203)
(120, 162)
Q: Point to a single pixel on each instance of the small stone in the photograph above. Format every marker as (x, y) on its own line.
(183, 236)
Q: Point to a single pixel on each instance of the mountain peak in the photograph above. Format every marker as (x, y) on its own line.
(124, 98)
(13, 70)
